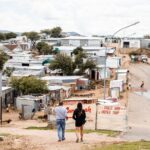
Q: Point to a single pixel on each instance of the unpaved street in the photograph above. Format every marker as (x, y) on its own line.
(47, 140)
(139, 105)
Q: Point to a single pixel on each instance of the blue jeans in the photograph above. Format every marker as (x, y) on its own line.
(61, 128)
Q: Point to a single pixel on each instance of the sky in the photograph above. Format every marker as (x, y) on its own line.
(88, 17)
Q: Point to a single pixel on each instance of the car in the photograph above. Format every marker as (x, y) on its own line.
(144, 58)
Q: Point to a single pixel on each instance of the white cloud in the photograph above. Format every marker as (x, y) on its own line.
(84, 16)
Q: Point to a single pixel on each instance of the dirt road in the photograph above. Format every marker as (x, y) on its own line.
(47, 140)
(139, 105)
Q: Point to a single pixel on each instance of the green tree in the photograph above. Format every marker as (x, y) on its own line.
(25, 34)
(68, 66)
(64, 63)
(28, 85)
(56, 32)
(2, 37)
(81, 61)
(10, 35)
(46, 31)
(77, 50)
(33, 36)
(44, 48)
(3, 59)
(89, 64)
(8, 71)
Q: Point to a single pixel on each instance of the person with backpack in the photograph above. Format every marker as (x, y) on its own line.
(79, 116)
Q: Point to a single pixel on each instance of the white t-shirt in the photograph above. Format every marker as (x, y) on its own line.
(60, 112)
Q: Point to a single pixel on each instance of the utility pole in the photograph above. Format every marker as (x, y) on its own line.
(1, 97)
(106, 48)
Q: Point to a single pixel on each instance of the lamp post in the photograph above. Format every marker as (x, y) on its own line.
(0, 97)
(106, 48)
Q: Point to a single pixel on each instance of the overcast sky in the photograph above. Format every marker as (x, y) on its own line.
(83, 16)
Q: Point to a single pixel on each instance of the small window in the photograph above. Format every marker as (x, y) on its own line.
(126, 44)
(25, 64)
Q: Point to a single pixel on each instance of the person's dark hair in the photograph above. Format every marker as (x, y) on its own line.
(79, 106)
(60, 103)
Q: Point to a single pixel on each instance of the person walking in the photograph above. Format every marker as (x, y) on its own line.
(61, 116)
(79, 116)
(142, 85)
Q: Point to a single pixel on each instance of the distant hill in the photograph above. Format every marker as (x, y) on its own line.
(6, 31)
(71, 34)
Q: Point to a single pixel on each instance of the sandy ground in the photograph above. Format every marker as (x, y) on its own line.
(46, 139)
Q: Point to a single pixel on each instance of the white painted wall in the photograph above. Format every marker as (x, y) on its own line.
(132, 43)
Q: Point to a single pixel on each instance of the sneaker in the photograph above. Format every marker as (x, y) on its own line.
(63, 139)
(59, 140)
(77, 140)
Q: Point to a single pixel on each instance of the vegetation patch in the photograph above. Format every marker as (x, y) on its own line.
(107, 132)
(140, 52)
(141, 145)
(37, 128)
(5, 134)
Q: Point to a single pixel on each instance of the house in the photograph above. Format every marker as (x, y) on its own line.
(27, 73)
(4, 80)
(145, 43)
(71, 83)
(27, 105)
(99, 57)
(58, 92)
(89, 50)
(122, 74)
(16, 47)
(37, 66)
(60, 79)
(113, 62)
(80, 41)
(21, 56)
(82, 83)
(117, 84)
(7, 96)
(52, 41)
(130, 43)
(100, 73)
(115, 92)
(26, 59)
(27, 100)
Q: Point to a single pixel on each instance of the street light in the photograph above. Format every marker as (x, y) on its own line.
(105, 64)
(0, 97)
(107, 48)
(125, 28)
